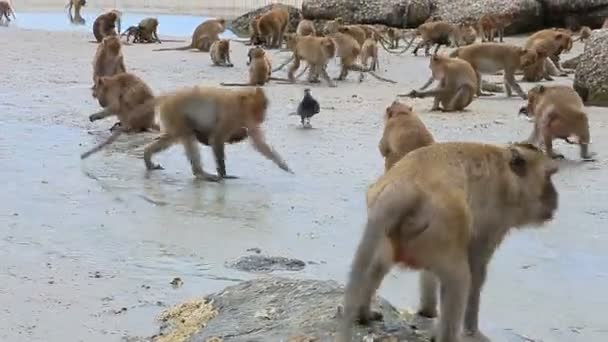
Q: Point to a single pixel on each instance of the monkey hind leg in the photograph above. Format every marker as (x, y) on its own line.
(194, 157)
(462, 98)
(429, 287)
(160, 144)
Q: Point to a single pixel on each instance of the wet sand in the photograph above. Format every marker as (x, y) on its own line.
(83, 240)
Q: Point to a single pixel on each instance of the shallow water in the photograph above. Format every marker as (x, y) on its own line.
(169, 24)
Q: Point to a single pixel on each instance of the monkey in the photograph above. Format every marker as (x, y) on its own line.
(436, 32)
(583, 34)
(443, 209)
(489, 24)
(267, 59)
(217, 112)
(348, 50)
(468, 35)
(488, 58)
(108, 60)
(255, 37)
(558, 114)
(106, 25)
(306, 28)
(403, 133)
(148, 30)
(203, 36)
(6, 11)
(220, 53)
(316, 51)
(272, 25)
(77, 5)
(259, 69)
(370, 50)
(132, 31)
(457, 83)
(394, 36)
(548, 43)
(355, 31)
(129, 98)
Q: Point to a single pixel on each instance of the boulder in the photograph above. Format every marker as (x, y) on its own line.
(396, 13)
(591, 77)
(240, 25)
(573, 13)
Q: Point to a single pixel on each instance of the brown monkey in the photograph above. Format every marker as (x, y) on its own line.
(106, 25)
(468, 35)
(394, 36)
(272, 25)
(254, 34)
(558, 114)
(403, 133)
(148, 30)
(267, 59)
(219, 113)
(108, 60)
(132, 31)
(488, 58)
(6, 11)
(316, 51)
(130, 99)
(220, 53)
(370, 50)
(583, 34)
(203, 36)
(348, 50)
(306, 28)
(436, 32)
(489, 24)
(77, 5)
(457, 83)
(548, 43)
(259, 69)
(355, 31)
(443, 209)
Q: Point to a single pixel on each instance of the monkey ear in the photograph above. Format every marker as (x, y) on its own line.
(517, 163)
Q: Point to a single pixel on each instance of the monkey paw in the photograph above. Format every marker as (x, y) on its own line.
(367, 318)
(589, 158)
(93, 118)
(557, 156)
(154, 167)
(207, 177)
(477, 336)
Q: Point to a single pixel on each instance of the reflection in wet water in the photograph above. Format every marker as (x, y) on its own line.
(169, 25)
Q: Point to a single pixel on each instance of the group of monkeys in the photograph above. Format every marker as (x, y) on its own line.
(440, 207)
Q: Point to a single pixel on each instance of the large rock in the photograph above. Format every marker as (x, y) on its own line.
(573, 13)
(591, 77)
(276, 309)
(527, 12)
(240, 25)
(398, 13)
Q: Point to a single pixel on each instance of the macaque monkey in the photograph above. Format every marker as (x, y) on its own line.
(259, 69)
(337, 25)
(272, 25)
(203, 36)
(558, 114)
(6, 11)
(468, 35)
(348, 50)
(306, 28)
(370, 50)
(403, 133)
(132, 31)
(394, 36)
(106, 25)
(489, 58)
(130, 99)
(254, 34)
(457, 84)
(148, 30)
(108, 60)
(490, 24)
(217, 112)
(584, 34)
(443, 209)
(77, 5)
(436, 32)
(252, 53)
(548, 43)
(316, 51)
(220, 53)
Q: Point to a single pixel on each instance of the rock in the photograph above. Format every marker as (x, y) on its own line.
(240, 25)
(397, 13)
(527, 12)
(591, 77)
(260, 263)
(573, 13)
(572, 63)
(281, 309)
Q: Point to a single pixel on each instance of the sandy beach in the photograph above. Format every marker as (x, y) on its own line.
(88, 249)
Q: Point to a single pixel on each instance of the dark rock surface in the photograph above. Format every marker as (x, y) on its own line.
(591, 77)
(261, 263)
(240, 25)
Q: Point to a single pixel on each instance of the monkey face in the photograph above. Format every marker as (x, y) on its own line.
(397, 108)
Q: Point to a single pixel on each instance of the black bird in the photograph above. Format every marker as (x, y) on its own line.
(307, 108)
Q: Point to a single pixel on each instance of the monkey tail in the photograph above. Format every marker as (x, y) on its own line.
(235, 84)
(409, 44)
(283, 64)
(108, 141)
(181, 48)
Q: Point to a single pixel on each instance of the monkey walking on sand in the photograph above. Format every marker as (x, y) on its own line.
(307, 108)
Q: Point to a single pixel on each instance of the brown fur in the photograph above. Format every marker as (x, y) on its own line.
(272, 26)
(394, 36)
(468, 35)
(316, 51)
(132, 31)
(254, 34)
(148, 30)
(443, 209)
(549, 43)
(436, 32)
(583, 34)
(203, 36)
(457, 83)
(220, 113)
(355, 31)
(403, 133)
(129, 98)
(220, 53)
(492, 23)
(6, 11)
(348, 50)
(306, 28)
(259, 69)
(77, 5)
(370, 50)
(558, 114)
(108, 60)
(106, 25)
(488, 58)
